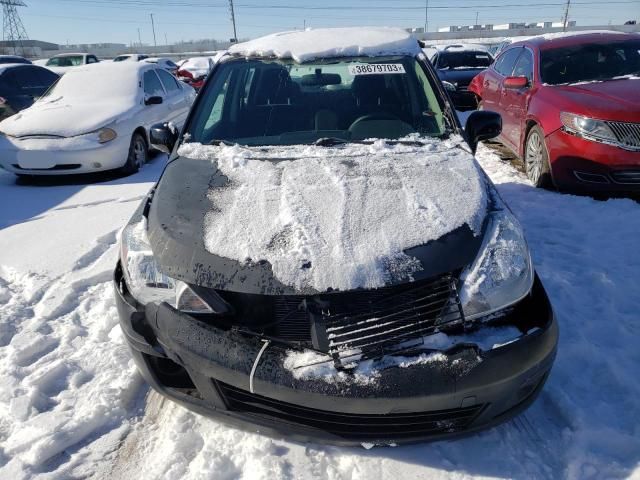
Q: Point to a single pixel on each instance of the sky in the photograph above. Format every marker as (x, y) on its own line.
(118, 21)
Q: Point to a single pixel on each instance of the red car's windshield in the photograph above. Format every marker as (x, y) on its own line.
(589, 62)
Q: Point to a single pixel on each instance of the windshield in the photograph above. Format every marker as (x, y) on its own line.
(588, 62)
(264, 102)
(123, 58)
(464, 60)
(67, 61)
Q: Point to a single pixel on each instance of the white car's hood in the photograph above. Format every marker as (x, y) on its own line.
(55, 116)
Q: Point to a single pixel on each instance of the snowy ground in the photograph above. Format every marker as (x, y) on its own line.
(72, 405)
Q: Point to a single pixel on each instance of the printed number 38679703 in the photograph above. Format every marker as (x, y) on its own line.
(376, 68)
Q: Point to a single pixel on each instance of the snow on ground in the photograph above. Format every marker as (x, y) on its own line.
(72, 405)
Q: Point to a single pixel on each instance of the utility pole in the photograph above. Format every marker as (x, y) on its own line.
(153, 27)
(13, 30)
(476, 18)
(566, 16)
(426, 16)
(139, 39)
(166, 42)
(233, 21)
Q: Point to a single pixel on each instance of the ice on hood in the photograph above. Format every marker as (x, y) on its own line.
(341, 217)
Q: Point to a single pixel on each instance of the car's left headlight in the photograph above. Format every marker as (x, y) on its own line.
(502, 273)
(106, 135)
(145, 280)
(589, 128)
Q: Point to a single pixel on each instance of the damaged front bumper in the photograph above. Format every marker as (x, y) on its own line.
(248, 383)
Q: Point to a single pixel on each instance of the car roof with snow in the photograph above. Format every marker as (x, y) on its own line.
(561, 39)
(311, 44)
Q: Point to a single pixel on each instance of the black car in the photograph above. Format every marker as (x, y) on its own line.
(21, 85)
(4, 59)
(293, 273)
(456, 66)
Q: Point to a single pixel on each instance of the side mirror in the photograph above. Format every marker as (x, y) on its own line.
(163, 137)
(155, 100)
(516, 83)
(448, 86)
(482, 125)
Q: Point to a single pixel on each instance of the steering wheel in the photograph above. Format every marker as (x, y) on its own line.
(372, 117)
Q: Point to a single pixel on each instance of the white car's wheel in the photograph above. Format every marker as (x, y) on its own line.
(138, 154)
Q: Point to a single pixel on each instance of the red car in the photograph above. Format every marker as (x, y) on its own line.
(570, 106)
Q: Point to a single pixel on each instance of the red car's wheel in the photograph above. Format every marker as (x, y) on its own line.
(536, 159)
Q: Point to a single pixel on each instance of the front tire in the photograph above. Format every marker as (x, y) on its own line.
(536, 159)
(138, 154)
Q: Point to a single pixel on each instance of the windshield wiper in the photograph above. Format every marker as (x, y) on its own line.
(219, 141)
(330, 141)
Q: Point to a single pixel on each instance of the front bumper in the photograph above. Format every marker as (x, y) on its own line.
(582, 164)
(62, 156)
(208, 370)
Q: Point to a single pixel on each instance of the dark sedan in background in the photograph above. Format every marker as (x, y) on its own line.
(20, 85)
(457, 65)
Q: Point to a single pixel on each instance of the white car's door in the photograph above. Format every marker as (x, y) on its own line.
(177, 98)
(154, 113)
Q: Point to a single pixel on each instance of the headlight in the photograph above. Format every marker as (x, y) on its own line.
(146, 281)
(106, 135)
(502, 273)
(590, 128)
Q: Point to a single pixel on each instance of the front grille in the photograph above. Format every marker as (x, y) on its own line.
(371, 322)
(359, 427)
(627, 134)
(391, 323)
(626, 176)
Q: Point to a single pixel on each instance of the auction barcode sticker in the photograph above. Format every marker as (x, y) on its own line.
(375, 68)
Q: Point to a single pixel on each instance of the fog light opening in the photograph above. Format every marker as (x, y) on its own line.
(97, 165)
(170, 374)
(590, 177)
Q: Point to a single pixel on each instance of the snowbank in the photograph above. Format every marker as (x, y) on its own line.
(307, 45)
(339, 217)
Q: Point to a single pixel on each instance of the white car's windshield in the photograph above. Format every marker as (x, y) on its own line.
(269, 102)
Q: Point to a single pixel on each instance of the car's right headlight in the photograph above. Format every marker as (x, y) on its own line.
(502, 273)
(145, 279)
(588, 128)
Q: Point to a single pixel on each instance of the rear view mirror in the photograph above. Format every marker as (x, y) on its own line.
(448, 86)
(155, 100)
(163, 137)
(516, 82)
(482, 125)
(321, 79)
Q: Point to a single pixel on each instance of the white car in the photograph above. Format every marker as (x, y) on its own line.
(95, 118)
(62, 63)
(131, 57)
(166, 63)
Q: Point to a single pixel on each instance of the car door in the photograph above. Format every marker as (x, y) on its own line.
(515, 101)
(154, 113)
(176, 101)
(494, 76)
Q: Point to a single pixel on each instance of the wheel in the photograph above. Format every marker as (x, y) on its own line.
(138, 153)
(536, 159)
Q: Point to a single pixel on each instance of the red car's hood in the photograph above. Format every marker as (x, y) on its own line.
(610, 100)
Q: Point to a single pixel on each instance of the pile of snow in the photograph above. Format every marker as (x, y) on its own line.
(198, 66)
(310, 44)
(339, 217)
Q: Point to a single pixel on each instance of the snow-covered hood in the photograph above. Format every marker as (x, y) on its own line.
(56, 116)
(310, 219)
